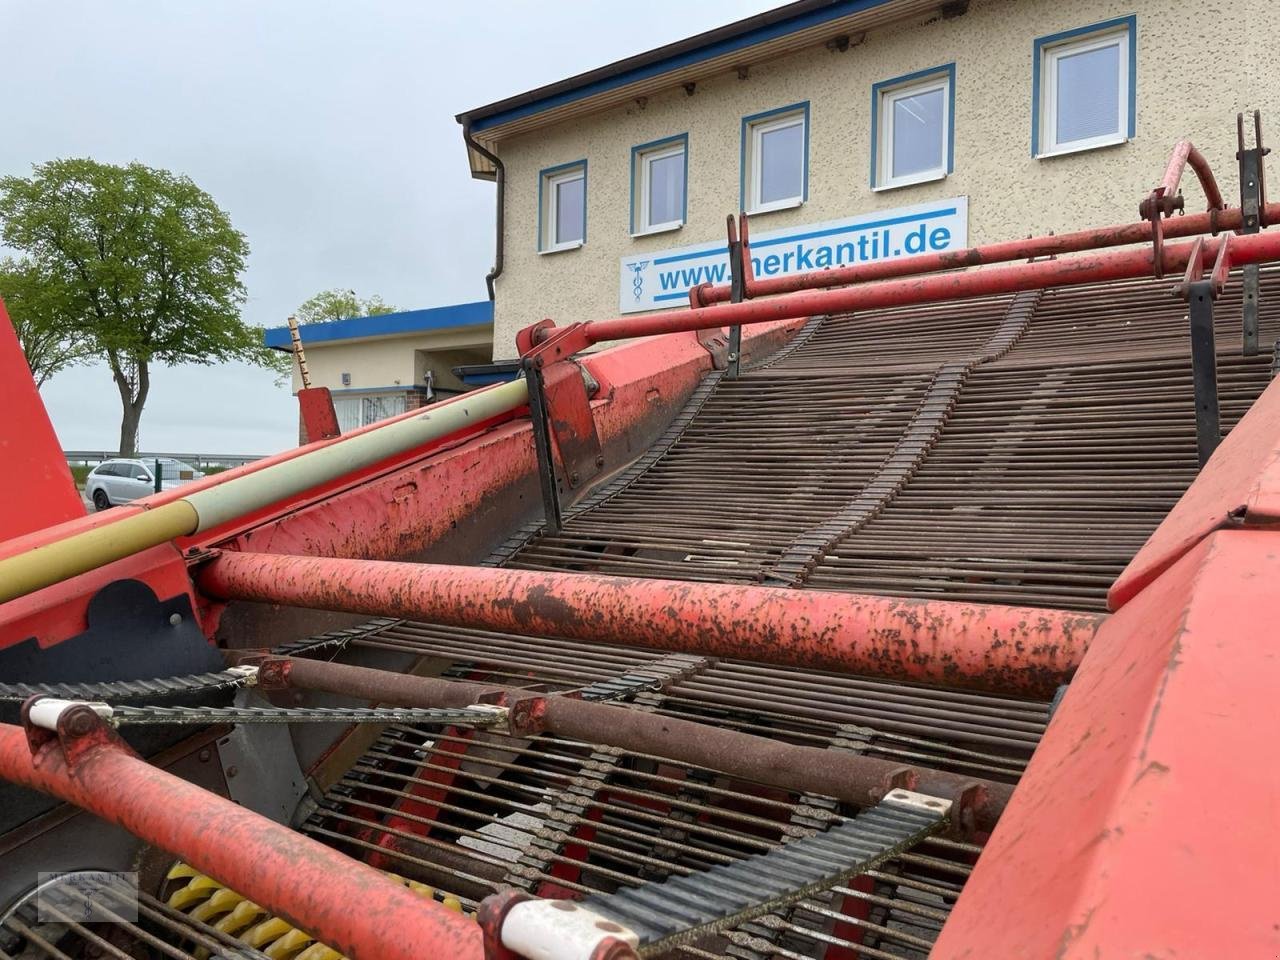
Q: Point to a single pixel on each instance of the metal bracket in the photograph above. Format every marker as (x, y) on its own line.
(1253, 207)
(560, 409)
(1200, 294)
(738, 274)
(552, 515)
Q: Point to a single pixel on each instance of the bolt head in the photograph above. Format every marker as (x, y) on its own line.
(80, 721)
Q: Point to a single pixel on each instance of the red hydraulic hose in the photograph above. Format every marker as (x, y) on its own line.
(1008, 649)
(346, 904)
(1087, 268)
(1120, 235)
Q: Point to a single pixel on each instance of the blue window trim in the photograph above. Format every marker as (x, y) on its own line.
(751, 120)
(547, 172)
(949, 71)
(1037, 61)
(640, 148)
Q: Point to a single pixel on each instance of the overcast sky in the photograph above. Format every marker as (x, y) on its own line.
(324, 128)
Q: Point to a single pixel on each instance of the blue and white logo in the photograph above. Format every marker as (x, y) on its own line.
(884, 235)
(637, 279)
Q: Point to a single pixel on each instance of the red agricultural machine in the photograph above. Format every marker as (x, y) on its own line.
(921, 608)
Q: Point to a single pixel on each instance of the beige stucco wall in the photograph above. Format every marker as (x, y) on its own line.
(1198, 64)
(393, 361)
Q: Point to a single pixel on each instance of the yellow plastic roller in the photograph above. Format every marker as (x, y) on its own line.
(203, 898)
(287, 946)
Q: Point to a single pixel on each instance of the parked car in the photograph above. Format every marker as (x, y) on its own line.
(114, 482)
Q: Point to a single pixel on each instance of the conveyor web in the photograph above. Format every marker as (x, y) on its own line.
(1054, 431)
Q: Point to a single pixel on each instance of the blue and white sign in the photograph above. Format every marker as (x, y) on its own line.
(653, 281)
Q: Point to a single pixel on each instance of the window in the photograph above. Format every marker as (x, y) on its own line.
(562, 202)
(775, 159)
(912, 128)
(1083, 88)
(356, 412)
(659, 175)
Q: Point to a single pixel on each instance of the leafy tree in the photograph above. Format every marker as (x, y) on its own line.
(49, 341)
(338, 305)
(140, 262)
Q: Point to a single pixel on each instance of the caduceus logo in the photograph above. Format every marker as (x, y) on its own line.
(637, 278)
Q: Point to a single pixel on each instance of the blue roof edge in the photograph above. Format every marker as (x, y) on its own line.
(475, 314)
(748, 37)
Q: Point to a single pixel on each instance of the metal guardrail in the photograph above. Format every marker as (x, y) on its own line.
(195, 459)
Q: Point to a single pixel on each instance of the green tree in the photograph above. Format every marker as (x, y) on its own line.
(139, 262)
(338, 305)
(49, 341)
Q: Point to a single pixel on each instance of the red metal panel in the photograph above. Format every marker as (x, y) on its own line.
(38, 489)
(1146, 823)
(57, 612)
(1239, 486)
(319, 420)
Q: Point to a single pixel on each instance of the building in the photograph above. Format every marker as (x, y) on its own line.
(853, 130)
(386, 364)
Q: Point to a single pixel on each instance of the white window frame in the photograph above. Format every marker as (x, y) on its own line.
(884, 136)
(550, 183)
(644, 162)
(756, 130)
(1050, 54)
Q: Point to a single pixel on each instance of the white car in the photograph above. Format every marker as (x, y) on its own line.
(114, 482)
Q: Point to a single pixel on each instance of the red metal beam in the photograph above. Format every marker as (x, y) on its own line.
(1009, 649)
(1087, 268)
(346, 904)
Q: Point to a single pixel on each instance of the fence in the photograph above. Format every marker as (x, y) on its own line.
(199, 460)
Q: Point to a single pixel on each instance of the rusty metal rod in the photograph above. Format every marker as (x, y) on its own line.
(286, 872)
(1108, 265)
(850, 777)
(1009, 649)
(1185, 153)
(1005, 251)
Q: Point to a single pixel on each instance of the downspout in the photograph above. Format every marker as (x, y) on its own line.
(500, 178)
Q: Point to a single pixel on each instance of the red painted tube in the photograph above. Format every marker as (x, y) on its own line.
(1009, 649)
(346, 904)
(1184, 153)
(1087, 268)
(1007, 251)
